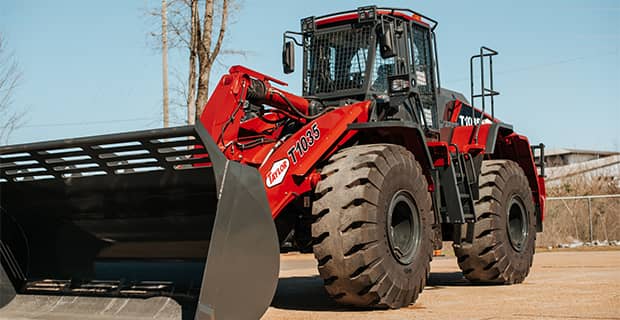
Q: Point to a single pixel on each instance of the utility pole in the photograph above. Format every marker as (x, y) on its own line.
(164, 58)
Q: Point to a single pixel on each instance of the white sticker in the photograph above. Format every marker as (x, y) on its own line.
(277, 173)
(428, 116)
(420, 77)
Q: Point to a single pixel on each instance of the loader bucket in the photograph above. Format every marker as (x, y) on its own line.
(152, 224)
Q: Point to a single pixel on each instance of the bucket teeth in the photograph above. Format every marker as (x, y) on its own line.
(101, 288)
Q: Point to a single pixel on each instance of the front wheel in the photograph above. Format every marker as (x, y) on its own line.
(505, 230)
(372, 229)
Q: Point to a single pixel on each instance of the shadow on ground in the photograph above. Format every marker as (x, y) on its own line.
(307, 293)
(437, 280)
(446, 279)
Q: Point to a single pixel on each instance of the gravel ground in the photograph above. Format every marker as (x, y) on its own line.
(561, 285)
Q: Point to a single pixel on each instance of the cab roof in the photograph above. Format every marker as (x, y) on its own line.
(368, 13)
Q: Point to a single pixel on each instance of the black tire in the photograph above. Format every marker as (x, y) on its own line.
(368, 202)
(503, 249)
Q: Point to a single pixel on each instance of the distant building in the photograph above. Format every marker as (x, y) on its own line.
(572, 165)
(562, 157)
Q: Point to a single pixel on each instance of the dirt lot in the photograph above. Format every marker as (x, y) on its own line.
(562, 285)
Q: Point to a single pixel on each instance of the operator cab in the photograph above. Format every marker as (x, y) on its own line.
(381, 54)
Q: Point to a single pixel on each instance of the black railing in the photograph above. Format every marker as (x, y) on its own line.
(541, 159)
(484, 91)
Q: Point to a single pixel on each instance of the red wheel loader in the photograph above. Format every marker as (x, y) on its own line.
(371, 169)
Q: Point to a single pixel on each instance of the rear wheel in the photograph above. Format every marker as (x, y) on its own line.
(505, 230)
(372, 229)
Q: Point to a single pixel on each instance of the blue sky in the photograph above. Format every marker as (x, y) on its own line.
(88, 67)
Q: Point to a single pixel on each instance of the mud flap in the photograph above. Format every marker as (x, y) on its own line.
(119, 226)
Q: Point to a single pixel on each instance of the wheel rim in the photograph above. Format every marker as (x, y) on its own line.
(403, 223)
(517, 223)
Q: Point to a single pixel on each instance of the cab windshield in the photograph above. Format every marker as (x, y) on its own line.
(338, 62)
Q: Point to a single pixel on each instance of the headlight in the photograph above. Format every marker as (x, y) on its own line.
(399, 85)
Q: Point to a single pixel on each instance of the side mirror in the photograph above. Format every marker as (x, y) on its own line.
(386, 41)
(288, 57)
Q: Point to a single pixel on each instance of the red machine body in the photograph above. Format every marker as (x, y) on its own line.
(288, 166)
(288, 163)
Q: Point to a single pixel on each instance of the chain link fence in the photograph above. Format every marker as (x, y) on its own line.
(588, 218)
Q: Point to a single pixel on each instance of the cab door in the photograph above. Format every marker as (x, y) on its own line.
(423, 71)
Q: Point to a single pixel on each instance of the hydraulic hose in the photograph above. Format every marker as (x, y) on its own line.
(297, 111)
(261, 92)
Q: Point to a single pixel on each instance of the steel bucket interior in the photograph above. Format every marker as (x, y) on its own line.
(135, 216)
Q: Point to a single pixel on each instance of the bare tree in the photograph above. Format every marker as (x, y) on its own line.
(206, 52)
(9, 79)
(192, 25)
(164, 60)
(193, 54)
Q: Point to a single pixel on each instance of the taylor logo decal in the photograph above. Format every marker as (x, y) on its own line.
(277, 173)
